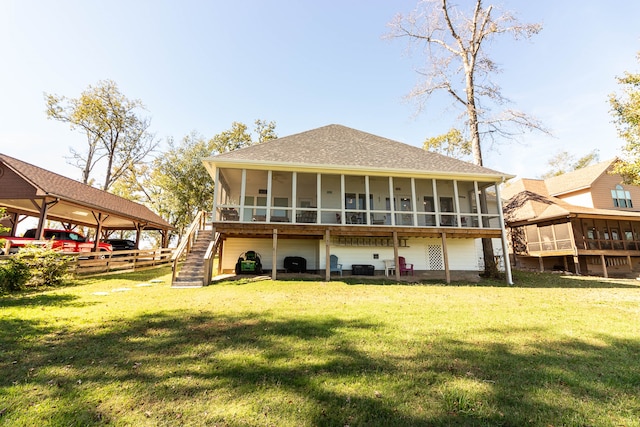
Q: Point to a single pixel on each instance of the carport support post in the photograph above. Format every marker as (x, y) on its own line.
(274, 256)
(327, 249)
(43, 217)
(445, 254)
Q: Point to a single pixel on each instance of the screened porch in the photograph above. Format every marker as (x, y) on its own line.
(272, 196)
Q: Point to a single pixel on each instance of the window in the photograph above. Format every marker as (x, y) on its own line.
(621, 197)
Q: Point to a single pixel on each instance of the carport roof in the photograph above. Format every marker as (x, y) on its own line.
(24, 187)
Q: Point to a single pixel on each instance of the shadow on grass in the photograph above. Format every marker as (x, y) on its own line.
(201, 369)
(29, 300)
(527, 279)
(522, 279)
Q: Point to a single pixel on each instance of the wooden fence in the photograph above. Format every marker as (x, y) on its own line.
(88, 263)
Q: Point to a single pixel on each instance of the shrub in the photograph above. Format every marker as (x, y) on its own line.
(14, 274)
(47, 267)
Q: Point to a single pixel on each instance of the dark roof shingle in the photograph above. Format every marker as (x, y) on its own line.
(68, 189)
(340, 146)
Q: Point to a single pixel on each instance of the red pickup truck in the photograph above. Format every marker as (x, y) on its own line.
(61, 240)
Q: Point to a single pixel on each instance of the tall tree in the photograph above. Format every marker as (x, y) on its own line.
(117, 137)
(454, 41)
(564, 162)
(239, 136)
(625, 108)
(177, 185)
(452, 144)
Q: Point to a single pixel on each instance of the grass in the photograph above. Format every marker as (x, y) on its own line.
(551, 351)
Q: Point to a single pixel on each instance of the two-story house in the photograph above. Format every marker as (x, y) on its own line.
(586, 222)
(366, 199)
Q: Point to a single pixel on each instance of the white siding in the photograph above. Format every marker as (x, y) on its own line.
(581, 199)
(306, 248)
(463, 253)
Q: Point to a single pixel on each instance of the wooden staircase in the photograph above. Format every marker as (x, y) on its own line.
(193, 268)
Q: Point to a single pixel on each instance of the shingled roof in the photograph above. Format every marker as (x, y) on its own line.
(336, 146)
(71, 194)
(577, 179)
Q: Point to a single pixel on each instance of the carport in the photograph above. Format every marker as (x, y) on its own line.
(30, 191)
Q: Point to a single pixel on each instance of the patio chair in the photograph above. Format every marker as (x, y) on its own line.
(334, 266)
(404, 267)
(389, 267)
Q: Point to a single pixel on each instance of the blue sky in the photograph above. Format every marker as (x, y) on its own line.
(200, 65)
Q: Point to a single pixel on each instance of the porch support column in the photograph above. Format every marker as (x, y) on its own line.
(574, 246)
(414, 202)
(456, 202)
(327, 250)
(220, 253)
(604, 266)
(367, 204)
(445, 254)
(392, 204)
(566, 264)
(629, 262)
(503, 235)
(294, 196)
(274, 255)
(395, 255)
(541, 263)
(243, 192)
(216, 194)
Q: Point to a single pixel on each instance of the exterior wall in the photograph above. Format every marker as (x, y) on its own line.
(306, 248)
(601, 192)
(581, 198)
(14, 186)
(424, 254)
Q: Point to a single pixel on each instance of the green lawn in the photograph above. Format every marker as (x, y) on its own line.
(120, 350)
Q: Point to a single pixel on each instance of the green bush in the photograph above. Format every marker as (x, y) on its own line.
(14, 274)
(47, 267)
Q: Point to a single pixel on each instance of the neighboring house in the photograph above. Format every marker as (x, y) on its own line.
(366, 199)
(586, 222)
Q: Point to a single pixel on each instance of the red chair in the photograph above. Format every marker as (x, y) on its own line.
(404, 267)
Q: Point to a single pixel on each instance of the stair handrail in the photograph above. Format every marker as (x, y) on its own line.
(196, 225)
(208, 258)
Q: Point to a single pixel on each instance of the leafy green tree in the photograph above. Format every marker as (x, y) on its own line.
(179, 186)
(452, 144)
(176, 184)
(564, 162)
(239, 136)
(625, 107)
(117, 137)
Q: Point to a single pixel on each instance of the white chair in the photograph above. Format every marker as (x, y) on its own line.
(389, 267)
